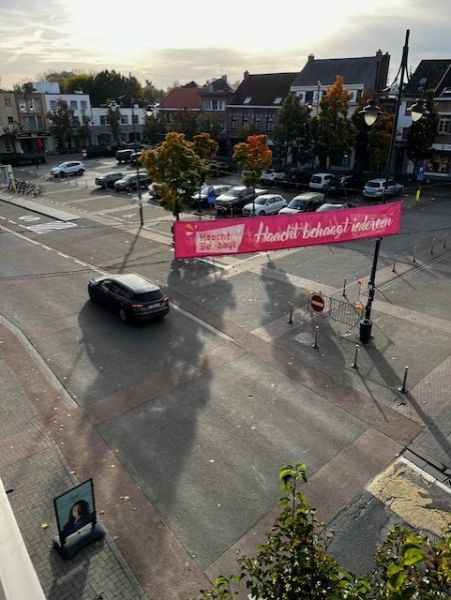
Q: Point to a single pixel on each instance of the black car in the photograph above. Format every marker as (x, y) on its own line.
(129, 182)
(233, 200)
(108, 180)
(124, 155)
(132, 297)
(342, 185)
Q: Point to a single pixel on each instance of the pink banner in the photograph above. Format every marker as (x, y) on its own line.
(242, 235)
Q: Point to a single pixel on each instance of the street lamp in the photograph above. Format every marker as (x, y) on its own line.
(115, 106)
(370, 114)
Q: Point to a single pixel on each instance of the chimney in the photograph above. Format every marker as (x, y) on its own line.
(379, 54)
(224, 78)
(245, 74)
(311, 57)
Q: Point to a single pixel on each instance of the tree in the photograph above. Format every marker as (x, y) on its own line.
(185, 121)
(151, 94)
(154, 129)
(109, 85)
(114, 120)
(210, 125)
(333, 132)
(422, 133)
(62, 123)
(293, 132)
(293, 563)
(379, 138)
(175, 169)
(253, 157)
(205, 147)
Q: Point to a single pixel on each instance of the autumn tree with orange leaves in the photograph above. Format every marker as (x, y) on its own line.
(254, 157)
(332, 131)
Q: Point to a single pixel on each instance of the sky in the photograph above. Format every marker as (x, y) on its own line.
(182, 40)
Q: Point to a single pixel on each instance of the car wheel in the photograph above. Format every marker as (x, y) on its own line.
(80, 171)
(261, 213)
(91, 295)
(123, 315)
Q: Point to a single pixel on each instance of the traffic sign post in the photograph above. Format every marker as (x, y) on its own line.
(317, 303)
(420, 179)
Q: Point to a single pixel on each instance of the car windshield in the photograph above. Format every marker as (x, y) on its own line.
(373, 184)
(335, 181)
(148, 296)
(298, 204)
(261, 200)
(234, 193)
(316, 179)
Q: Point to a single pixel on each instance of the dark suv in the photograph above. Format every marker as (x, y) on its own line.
(130, 182)
(124, 155)
(132, 297)
(108, 179)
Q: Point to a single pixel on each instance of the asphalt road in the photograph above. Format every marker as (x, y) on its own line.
(204, 407)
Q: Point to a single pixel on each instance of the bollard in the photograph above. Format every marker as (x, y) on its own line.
(394, 265)
(414, 254)
(315, 343)
(356, 355)
(290, 320)
(433, 244)
(344, 288)
(403, 387)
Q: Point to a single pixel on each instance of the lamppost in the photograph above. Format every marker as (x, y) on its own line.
(370, 114)
(115, 106)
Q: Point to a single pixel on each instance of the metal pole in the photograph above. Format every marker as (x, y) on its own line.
(405, 52)
(394, 265)
(290, 320)
(315, 343)
(356, 355)
(403, 387)
(138, 183)
(366, 324)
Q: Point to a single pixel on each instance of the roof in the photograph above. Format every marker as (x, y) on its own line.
(430, 74)
(135, 282)
(368, 70)
(263, 90)
(182, 98)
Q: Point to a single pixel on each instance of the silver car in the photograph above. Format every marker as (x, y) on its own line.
(69, 167)
(267, 204)
(375, 188)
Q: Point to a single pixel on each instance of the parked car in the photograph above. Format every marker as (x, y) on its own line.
(216, 168)
(69, 167)
(375, 188)
(306, 202)
(130, 182)
(135, 158)
(218, 189)
(295, 177)
(319, 181)
(266, 204)
(132, 297)
(124, 155)
(334, 206)
(107, 180)
(271, 176)
(234, 199)
(341, 185)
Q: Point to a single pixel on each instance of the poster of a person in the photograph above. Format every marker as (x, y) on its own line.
(75, 509)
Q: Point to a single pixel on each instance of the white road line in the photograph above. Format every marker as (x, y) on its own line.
(424, 474)
(222, 335)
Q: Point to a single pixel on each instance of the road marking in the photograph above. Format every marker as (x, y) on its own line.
(200, 322)
(51, 226)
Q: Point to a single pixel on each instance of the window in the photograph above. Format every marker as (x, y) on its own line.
(352, 95)
(444, 124)
(135, 119)
(7, 101)
(83, 104)
(257, 121)
(10, 121)
(277, 100)
(53, 105)
(76, 121)
(301, 96)
(74, 104)
(103, 120)
(244, 122)
(247, 100)
(269, 123)
(233, 123)
(309, 97)
(124, 119)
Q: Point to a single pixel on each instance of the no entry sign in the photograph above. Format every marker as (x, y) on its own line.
(317, 303)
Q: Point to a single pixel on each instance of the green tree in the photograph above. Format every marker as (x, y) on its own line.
(176, 170)
(79, 81)
(154, 129)
(333, 132)
(210, 125)
(185, 121)
(422, 133)
(114, 119)
(292, 134)
(379, 137)
(151, 94)
(62, 124)
(293, 563)
(109, 85)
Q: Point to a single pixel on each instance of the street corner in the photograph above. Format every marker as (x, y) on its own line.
(414, 496)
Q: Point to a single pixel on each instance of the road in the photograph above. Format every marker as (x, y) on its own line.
(203, 408)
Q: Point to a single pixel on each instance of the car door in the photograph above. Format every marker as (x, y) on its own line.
(104, 292)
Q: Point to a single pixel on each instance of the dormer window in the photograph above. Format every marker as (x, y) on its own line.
(277, 100)
(247, 100)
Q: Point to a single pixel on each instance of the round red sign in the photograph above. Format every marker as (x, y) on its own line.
(317, 303)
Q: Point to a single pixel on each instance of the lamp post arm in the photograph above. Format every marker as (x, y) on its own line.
(405, 52)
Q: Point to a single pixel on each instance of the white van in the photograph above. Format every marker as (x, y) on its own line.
(319, 181)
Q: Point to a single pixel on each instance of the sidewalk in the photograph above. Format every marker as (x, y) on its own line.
(32, 465)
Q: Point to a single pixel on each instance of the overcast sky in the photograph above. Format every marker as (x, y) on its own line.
(182, 40)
